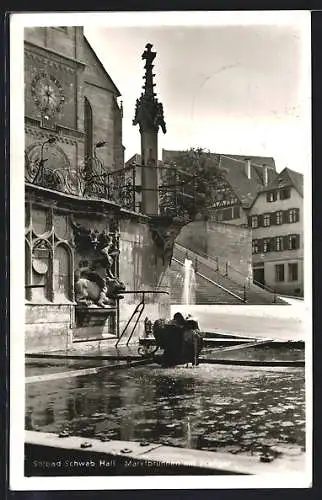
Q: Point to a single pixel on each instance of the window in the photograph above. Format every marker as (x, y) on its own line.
(266, 245)
(285, 193)
(279, 272)
(236, 212)
(227, 213)
(41, 270)
(254, 221)
(219, 216)
(271, 196)
(279, 244)
(293, 272)
(267, 220)
(61, 28)
(88, 129)
(61, 273)
(293, 241)
(27, 271)
(292, 215)
(255, 246)
(49, 266)
(279, 217)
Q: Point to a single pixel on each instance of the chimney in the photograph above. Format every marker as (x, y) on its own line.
(248, 168)
(265, 175)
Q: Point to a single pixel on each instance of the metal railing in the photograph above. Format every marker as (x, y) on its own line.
(226, 290)
(125, 186)
(224, 268)
(137, 313)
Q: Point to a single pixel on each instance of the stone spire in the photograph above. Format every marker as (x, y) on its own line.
(148, 111)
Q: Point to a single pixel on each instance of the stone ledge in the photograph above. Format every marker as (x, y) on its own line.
(144, 456)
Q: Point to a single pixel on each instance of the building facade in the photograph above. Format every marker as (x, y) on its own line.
(243, 177)
(255, 196)
(84, 243)
(276, 220)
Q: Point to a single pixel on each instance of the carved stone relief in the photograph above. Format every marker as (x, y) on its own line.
(96, 281)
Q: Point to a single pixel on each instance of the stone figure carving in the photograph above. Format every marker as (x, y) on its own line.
(164, 237)
(90, 290)
(96, 284)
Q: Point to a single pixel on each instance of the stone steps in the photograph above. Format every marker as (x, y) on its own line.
(208, 293)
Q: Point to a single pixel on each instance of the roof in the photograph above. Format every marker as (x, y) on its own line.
(267, 161)
(245, 189)
(101, 68)
(136, 158)
(286, 178)
(235, 173)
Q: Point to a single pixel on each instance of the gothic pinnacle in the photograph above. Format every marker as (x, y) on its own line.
(149, 112)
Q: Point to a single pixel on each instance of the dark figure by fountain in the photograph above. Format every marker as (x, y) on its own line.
(180, 339)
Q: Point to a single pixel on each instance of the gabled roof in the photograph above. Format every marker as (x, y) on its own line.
(136, 158)
(245, 189)
(286, 178)
(296, 179)
(235, 173)
(267, 161)
(103, 78)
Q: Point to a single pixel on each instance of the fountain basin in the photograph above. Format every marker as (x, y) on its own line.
(181, 343)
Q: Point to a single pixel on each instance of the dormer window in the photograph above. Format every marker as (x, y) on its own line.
(271, 196)
(285, 193)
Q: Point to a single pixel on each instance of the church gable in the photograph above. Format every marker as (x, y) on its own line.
(95, 72)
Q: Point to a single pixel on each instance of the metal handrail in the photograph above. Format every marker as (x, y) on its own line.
(213, 282)
(138, 309)
(216, 261)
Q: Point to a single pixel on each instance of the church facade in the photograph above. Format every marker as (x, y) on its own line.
(87, 252)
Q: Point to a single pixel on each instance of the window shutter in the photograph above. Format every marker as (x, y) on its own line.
(297, 241)
(273, 218)
(285, 242)
(261, 246)
(260, 220)
(285, 217)
(249, 221)
(297, 215)
(272, 244)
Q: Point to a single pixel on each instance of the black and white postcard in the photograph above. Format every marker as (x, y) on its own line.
(161, 297)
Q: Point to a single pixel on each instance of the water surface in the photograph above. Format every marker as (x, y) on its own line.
(234, 409)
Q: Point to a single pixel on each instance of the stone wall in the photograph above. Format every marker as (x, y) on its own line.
(225, 242)
(66, 56)
(48, 327)
(51, 313)
(61, 39)
(141, 269)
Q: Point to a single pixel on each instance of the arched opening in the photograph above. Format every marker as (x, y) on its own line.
(27, 271)
(62, 273)
(88, 129)
(41, 271)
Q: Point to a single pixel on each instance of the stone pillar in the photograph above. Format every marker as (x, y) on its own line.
(149, 116)
(150, 181)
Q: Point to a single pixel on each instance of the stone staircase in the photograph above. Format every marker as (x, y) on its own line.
(212, 286)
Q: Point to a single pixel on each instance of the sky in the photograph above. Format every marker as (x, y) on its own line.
(231, 88)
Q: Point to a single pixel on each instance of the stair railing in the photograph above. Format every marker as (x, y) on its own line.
(241, 299)
(227, 267)
(138, 311)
